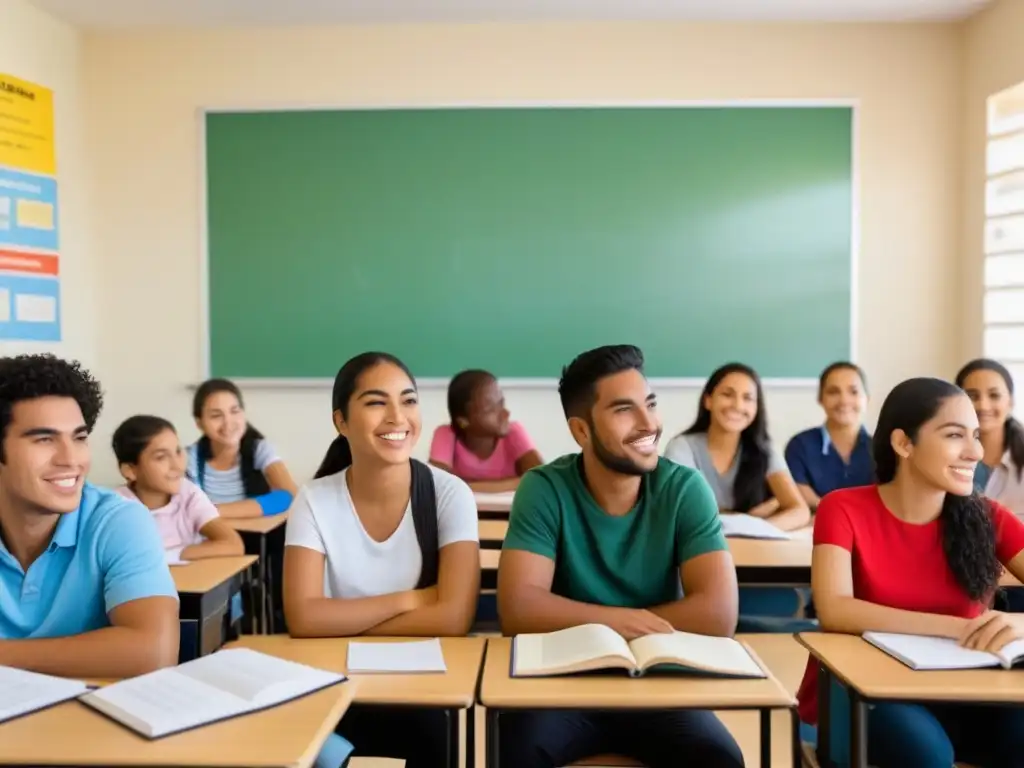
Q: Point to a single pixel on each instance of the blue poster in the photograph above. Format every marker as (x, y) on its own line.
(29, 308)
(28, 211)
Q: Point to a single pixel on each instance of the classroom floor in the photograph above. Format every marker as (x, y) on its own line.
(781, 653)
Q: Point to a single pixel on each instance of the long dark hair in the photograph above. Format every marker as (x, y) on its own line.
(134, 434)
(1013, 431)
(339, 453)
(968, 532)
(751, 486)
(461, 389)
(253, 481)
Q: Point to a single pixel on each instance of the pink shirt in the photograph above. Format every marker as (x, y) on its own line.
(180, 521)
(446, 449)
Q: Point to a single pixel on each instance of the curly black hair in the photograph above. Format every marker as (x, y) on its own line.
(968, 530)
(28, 377)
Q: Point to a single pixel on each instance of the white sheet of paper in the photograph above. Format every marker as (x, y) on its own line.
(747, 527)
(416, 656)
(22, 692)
(173, 557)
(496, 502)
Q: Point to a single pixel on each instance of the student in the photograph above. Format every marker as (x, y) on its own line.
(481, 445)
(153, 464)
(379, 544)
(920, 553)
(729, 444)
(1000, 474)
(232, 462)
(608, 536)
(838, 453)
(84, 589)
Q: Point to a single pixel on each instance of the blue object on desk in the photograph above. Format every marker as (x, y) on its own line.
(235, 606)
(334, 753)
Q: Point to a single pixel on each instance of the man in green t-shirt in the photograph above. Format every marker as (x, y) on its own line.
(615, 535)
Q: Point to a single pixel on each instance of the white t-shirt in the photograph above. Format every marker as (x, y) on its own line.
(323, 518)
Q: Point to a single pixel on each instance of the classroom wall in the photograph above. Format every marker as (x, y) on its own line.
(35, 46)
(993, 61)
(146, 88)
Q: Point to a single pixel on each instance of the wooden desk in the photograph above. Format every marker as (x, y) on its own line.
(873, 675)
(255, 533)
(764, 561)
(206, 589)
(494, 506)
(453, 691)
(288, 736)
(492, 533)
(500, 693)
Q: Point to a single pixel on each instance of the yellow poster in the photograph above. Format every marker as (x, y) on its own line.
(26, 126)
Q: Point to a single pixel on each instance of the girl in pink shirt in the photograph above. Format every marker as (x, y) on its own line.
(481, 445)
(152, 461)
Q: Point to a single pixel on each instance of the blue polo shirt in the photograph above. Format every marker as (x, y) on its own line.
(105, 553)
(814, 461)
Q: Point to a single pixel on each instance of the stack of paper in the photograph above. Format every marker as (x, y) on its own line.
(746, 527)
(404, 657)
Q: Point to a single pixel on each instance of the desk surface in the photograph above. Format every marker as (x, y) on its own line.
(201, 576)
(493, 530)
(877, 675)
(608, 692)
(456, 688)
(288, 736)
(494, 502)
(257, 524)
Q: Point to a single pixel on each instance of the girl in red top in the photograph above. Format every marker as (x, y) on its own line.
(921, 553)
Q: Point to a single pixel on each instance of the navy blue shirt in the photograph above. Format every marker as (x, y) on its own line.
(814, 461)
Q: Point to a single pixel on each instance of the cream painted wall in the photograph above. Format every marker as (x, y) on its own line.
(36, 47)
(146, 88)
(993, 61)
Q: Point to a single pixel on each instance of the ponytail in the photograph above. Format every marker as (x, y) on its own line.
(337, 458)
(969, 541)
(1013, 440)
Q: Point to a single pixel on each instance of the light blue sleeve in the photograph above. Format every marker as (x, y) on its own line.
(131, 556)
(264, 455)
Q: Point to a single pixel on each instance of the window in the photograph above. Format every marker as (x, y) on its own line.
(1004, 234)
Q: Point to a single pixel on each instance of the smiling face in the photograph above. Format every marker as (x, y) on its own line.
(46, 456)
(161, 465)
(624, 427)
(223, 420)
(946, 449)
(843, 398)
(991, 398)
(383, 421)
(733, 402)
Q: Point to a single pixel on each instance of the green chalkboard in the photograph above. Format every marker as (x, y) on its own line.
(513, 239)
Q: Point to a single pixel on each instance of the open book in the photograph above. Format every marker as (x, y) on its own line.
(922, 652)
(211, 688)
(22, 693)
(742, 526)
(592, 647)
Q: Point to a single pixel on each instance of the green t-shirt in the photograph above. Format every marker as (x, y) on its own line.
(630, 561)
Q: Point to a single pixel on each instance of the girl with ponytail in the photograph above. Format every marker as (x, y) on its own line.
(382, 544)
(1000, 475)
(921, 553)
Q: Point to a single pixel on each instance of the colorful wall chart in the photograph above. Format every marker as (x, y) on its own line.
(29, 241)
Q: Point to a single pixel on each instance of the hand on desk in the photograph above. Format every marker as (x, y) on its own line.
(637, 622)
(992, 630)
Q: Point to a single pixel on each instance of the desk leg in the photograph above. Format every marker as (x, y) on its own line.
(858, 731)
(492, 738)
(797, 744)
(451, 749)
(824, 748)
(766, 738)
(265, 589)
(470, 737)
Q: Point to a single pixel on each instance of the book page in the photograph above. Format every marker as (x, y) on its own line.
(1012, 653)
(164, 701)
(721, 655)
(255, 677)
(747, 527)
(22, 692)
(569, 649)
(417, 656)
(923, 652)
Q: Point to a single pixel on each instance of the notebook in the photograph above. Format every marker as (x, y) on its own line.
(416, 656)
(746, 527)
(217, 687)
(921, 652)
(593, 647)
(22, 693)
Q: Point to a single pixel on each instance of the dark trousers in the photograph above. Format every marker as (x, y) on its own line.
(418, 736)
(658, 739)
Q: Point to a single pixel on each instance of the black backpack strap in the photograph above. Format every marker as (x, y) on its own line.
(424, 516)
